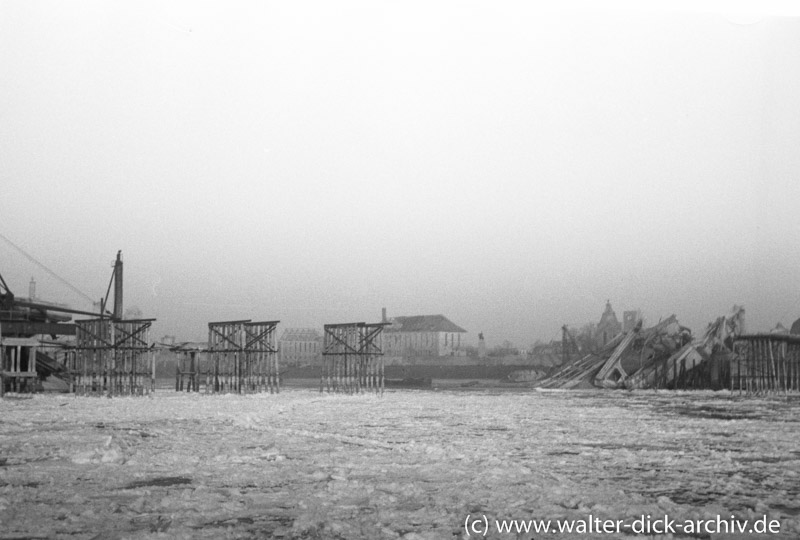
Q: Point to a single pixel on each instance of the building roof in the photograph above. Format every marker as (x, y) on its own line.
(423, 323)
(608, 316)
(186, 346)
(300, 334)
(795, 327)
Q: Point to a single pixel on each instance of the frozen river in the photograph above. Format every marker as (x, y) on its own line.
(411, 464)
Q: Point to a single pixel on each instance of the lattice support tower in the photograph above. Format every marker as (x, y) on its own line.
(243, 357)
(226, 351)
(113, 357)
(261, 357)
(352, 358)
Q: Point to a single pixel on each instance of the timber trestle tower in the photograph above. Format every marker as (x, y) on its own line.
(352, 358)
(243, 357)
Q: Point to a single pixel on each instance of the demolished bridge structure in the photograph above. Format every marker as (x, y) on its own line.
(703, 363)
(109, 355)
(663, 356)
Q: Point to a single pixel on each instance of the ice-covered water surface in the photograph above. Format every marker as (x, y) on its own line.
(410, 464)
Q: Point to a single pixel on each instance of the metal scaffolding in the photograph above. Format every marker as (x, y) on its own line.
(352, 358)
(113, 357)
(243, 356)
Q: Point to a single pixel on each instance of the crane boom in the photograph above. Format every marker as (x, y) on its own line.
(46, 269)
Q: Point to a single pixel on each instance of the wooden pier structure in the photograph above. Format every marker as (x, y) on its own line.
(187, 367)
(113, 357)
(18, 364)
(352, 358)
(243, 357)
(766, 364)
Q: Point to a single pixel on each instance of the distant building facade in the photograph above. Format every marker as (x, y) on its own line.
(300, 347)
(423, 336)
(608, 327)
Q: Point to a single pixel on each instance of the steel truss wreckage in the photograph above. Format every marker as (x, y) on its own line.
(666, 356)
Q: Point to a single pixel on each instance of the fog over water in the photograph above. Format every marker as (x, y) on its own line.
(511, 167)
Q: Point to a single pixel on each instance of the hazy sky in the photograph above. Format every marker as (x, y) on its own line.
(507, 166)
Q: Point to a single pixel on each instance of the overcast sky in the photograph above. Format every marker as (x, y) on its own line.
(509, 167)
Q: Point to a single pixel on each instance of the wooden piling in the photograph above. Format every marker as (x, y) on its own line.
(768, 363)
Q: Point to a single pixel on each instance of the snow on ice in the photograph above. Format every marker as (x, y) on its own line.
(410, 464)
